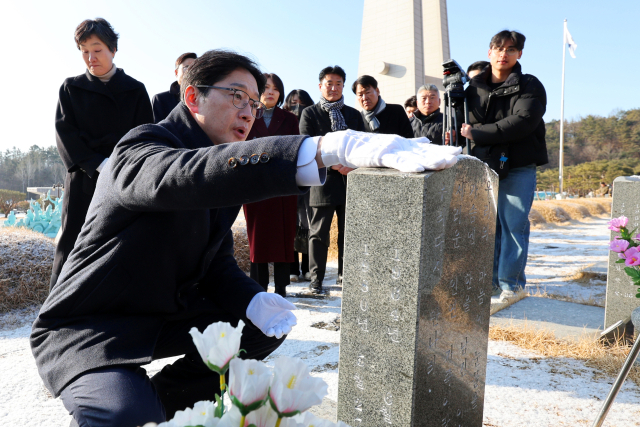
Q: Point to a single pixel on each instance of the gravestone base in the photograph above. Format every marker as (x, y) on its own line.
(416, 296)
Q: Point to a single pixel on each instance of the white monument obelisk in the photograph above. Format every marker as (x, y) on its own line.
(403, 45)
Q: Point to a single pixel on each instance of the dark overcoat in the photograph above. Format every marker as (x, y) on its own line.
(316, 122)
(271, 223)
(157, 233)
(393, 121)
(509, 114)
(91, 117)
(164, 102)
(428, 126)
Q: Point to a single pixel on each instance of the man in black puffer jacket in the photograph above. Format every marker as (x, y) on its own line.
(506, 126)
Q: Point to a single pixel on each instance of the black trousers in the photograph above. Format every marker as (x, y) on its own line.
(124, 396)
(319, 239)
(259, 271)
(299, 267)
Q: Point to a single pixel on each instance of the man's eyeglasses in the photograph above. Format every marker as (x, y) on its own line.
(241, 99)
(510, 50)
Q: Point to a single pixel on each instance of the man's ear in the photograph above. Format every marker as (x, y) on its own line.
(520, 55)
(176, 72)
(191, 99)
(489, 54)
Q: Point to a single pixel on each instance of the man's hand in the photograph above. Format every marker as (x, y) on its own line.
(342, 169)
(271, 314)
(465, 130)
(447, 138)
(353, 149)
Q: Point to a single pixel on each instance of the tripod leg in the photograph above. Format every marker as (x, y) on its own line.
(466, 120)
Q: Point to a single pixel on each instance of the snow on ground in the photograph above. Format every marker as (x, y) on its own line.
(522, 389)
(559, 252)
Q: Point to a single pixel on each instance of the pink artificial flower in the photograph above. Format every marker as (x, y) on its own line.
(637, 237)
(632, 257)
(618, 245)
(617, 223)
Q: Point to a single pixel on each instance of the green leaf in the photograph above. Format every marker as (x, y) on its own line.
(246, 409)
(637, 295)
(620, 261)
(219, 412)
(632, 272)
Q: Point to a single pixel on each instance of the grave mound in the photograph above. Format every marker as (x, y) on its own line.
(26, 258)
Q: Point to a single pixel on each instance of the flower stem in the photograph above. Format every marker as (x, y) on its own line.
(222, 384)
(278, 422)
(242, 421)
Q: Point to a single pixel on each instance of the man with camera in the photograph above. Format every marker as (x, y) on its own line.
(506, 127)
(428, 118)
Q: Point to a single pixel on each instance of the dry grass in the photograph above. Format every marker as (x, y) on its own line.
(241, 248)
(333, 247)
(563, 211)
(26, 258)
(605, 358)
(496, 307)
(590, 300)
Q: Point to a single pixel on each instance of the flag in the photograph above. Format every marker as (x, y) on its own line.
(569, 41)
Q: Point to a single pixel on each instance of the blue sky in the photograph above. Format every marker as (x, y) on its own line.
(295, 39)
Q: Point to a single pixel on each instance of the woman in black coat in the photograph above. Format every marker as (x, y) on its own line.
(295, 103)
(95, 110)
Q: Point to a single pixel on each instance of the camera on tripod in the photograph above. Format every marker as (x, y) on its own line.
(454, 99)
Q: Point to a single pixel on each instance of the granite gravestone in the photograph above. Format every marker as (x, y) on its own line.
(416, 296)
(621, 294)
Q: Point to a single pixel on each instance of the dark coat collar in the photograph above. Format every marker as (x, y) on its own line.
(181, 123)
(175, 89)
(426, 118)
(512, 81)
(120, 82)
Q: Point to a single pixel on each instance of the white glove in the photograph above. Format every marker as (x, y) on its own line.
(359, 149)
(271, 314)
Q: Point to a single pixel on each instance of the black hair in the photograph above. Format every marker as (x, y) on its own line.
(364, 81)
(185, 56)
(411, 102)
(336, 69)
(303, 96)
(278, 82)
(215, 65)
(101, 29)
(499, 39)
(477, 66)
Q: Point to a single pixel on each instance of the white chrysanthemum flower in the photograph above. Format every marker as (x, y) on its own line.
(218, 344)
(249, 382)
(293, 389)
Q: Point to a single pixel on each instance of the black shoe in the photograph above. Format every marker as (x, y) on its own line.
(281, 290)
(315, 287)
(339, 280)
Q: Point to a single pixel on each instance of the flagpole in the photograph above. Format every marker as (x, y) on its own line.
(561, 157)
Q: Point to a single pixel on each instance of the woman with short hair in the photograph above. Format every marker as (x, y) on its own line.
(94, 111)
(271, 223)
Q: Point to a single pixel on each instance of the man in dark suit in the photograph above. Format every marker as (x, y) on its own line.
(378, 116)
(328, 115)
(164, 102)
(155, 255)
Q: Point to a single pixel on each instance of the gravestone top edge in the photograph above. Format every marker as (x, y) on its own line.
(388, 171)
(632, 178)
